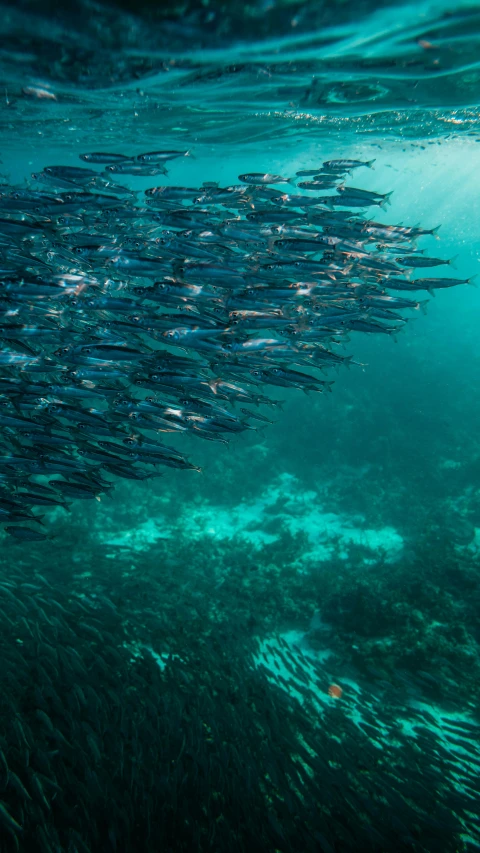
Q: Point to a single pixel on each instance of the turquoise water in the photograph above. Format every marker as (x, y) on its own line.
(277, 649)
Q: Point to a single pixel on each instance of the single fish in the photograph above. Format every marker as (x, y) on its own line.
(347, 165)
(22, 534)
(259, 178)
(161, 156)
(105, 158)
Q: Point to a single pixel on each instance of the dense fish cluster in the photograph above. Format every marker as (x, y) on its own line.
(121, 732)
(124, 321)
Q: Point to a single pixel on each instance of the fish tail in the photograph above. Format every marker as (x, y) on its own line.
(453, 262)
(434, 232)
(472, 280)
(292, 181)
(370, 163)
(423, 305)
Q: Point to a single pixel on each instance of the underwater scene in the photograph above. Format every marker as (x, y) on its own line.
(239, 427)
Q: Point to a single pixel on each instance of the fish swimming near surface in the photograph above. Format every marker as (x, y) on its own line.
(125, 319)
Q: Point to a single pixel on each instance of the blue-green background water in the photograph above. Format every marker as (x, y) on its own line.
(346, 533)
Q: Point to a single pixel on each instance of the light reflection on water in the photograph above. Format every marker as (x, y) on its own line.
(405, 70)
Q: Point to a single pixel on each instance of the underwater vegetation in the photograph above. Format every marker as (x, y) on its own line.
(139, 708)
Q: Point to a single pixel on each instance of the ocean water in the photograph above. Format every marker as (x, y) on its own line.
(276, 649)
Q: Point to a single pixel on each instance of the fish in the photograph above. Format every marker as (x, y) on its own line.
(125, 317)
(347, 165)
(101, 158)
(259, 178)
(139, 170)
(317, 184)
(441, 283)
(415, 261)
(25, 534)
(161, 156)
(354, 192)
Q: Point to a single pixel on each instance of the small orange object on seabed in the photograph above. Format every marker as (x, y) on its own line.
(335, 690)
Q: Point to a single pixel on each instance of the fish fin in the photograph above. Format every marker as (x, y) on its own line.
(24, 347)
(453, 261)
(14, 399)
(431, 291)
(210, 184)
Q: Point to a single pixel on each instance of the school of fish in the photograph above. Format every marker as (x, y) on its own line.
(122, 320)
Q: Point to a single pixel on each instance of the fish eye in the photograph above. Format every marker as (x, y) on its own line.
(87, 350)
(110, 168)
(61, 220)
(47, 170)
